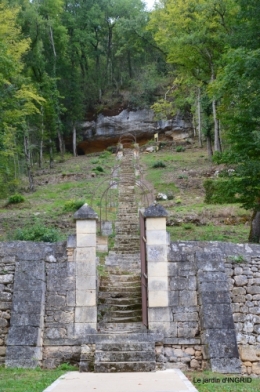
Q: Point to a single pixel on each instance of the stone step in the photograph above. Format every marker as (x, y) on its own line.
(125, 313)
(130, 319)
(124, 356)
(132, 346)
(120, 301)
(111, 307)
(121, 289)
(127, 279)
(110, 367)
(119, 294)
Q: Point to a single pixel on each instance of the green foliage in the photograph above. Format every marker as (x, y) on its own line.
(170, 195)
(67, 366)
(36, 232)
(16, 198)
(73, 205)
(180, 149)
(158, 164)
(99, 169)
(220, 191)
(237, 259)
(105, 154)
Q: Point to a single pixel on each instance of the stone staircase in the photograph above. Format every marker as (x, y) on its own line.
(125, 353)
(123, 343)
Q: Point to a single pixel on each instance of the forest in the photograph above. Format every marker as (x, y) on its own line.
(62, 60)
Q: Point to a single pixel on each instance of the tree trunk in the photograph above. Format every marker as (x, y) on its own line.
(51, 153)
(209, 146)
(28, 163)
(199, 118)
(74, 142)
(254, 235)
(217, 144)
(61, 145)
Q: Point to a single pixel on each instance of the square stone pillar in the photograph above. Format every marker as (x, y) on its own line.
(157, 266)
(86, 275)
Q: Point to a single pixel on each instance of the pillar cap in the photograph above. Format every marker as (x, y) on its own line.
(85, 213)
(155, 211)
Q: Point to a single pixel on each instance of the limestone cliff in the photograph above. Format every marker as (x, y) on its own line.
(106, 130)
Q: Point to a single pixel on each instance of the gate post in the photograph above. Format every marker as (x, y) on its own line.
(86, 275)
(157, 263)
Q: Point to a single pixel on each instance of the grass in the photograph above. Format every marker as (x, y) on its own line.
(29, 380)
(214, 382)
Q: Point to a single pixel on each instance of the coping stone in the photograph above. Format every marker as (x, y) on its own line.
(85, 213)
(155, 211)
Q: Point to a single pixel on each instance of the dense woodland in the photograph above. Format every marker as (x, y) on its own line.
(60, 60)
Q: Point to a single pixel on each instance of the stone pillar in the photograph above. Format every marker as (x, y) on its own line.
(157, 265)
(86, 278)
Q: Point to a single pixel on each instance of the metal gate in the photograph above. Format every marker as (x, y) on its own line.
(144, 278)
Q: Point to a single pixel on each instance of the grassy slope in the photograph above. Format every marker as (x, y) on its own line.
(190, 217)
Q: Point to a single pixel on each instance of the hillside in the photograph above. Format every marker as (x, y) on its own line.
(59, 192)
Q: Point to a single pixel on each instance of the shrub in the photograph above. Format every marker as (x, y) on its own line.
(220, 191)
(16, 198)
(170, 196)
(180, 149)
(105, 154)
(73, 205)
(37, 232)
(158, 164)
(99, 169)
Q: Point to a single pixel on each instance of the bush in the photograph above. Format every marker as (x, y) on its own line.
(16, 198)
(158, 164)
(105, 154)
(180, 149)
(37, 232)
(170, 196)
(99, 169)
(73, 205)
(220, 191)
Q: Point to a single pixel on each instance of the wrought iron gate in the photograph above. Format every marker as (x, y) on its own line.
(144, 278)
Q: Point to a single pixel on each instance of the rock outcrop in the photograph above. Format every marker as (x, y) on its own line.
(106, 130)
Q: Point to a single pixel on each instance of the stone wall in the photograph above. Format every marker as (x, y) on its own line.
(7, 269)
(241, 264)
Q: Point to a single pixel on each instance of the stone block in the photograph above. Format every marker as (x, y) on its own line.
(84, 282)
(211, 276)
(253, 289)
(169, 329)
(157, 269)
(71, 298)
(188, 297)
(86, 240)
(155, 224)
(81, 330)
(87, 268)
(5, 279)
(186, 316)
(22, 363)
(86, 297)
(240, 280)
(158, 283)
(209, 262)
(86, 254)
(219, 343)
(215, 297)
(159, 314)
(220, 285)
(216, 316)
(55, 333)
(86, 227)
(156, 237)
(158, 299)
(156, 253)
(187, 329)
(23, 336)
(256, 368)
(249, 353)
(173, 298)
(32, 319)
(179, 257)
(183, 283)
(226, 365)
(23, 352)
(86, 314)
